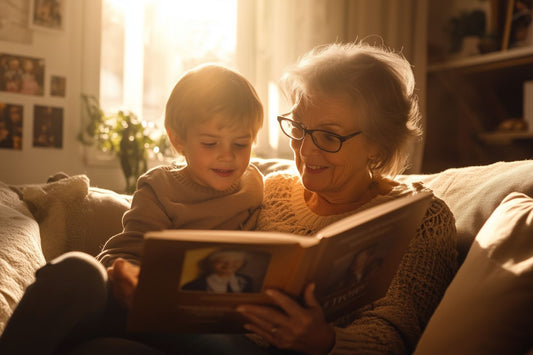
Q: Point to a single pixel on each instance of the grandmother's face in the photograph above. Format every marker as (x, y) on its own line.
(338, 177)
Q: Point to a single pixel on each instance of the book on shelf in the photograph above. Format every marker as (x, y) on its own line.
(528, 104)
(192, 280)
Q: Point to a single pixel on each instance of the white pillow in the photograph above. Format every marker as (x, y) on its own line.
(74, 216)
(51, 204)
(488, 307)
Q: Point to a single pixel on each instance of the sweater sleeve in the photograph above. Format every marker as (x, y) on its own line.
(393, 324)
(146, 214)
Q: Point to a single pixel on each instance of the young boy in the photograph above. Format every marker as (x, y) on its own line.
(212, 118)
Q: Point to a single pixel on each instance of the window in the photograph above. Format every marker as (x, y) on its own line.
(147, 45)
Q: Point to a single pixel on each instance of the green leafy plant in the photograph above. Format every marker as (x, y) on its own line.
(121, 133)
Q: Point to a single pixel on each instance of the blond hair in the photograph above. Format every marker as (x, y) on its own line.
(210, 89)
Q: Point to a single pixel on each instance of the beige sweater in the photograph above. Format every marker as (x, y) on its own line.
(167, 198)
(393, 324)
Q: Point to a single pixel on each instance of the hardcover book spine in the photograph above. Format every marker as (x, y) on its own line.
(528, 104)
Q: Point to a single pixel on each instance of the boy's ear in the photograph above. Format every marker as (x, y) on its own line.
(175, 140)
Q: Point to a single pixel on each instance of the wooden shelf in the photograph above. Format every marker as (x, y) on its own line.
(504, 138)
(468, 97)
(489, 61)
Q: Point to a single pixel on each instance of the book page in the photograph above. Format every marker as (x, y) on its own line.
(357, 265)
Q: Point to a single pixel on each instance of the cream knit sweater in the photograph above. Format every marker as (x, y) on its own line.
(393, 324)
(167, 198)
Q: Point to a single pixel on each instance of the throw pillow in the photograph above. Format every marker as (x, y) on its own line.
(100, 215)
(52, 204)
(72, 215)
(487, 309)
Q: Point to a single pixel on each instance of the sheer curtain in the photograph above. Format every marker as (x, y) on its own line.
(282, 30)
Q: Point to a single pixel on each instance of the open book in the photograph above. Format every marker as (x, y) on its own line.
(192, 280)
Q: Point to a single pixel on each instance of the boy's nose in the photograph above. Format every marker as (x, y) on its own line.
(225, 153)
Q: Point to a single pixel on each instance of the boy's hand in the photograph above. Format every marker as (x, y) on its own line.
(124, 277)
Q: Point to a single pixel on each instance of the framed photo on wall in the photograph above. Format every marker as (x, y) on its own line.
(10, 126)
(14, 22)
(48, 15)
(47, 126)
(521, 27)
(23, 75)
(518, 31)
(58, 85)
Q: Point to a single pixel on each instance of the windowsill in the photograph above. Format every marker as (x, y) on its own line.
(95, 158)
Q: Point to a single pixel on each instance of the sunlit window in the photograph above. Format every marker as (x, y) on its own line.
(148, 44)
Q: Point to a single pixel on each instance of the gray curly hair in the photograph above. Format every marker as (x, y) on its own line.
(378, 81)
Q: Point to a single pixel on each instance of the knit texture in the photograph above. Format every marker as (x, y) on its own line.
(393, 324)
(167, 198)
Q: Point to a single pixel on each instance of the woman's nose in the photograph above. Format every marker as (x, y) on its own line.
(307, 146)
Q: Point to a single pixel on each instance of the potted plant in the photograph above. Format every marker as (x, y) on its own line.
(469, 26)
(121, 133)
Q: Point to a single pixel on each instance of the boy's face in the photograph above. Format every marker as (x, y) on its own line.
(217, 154)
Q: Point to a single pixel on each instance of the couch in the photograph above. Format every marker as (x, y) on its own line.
(489, 304)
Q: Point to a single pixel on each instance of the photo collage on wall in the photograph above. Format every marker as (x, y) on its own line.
(27, 76)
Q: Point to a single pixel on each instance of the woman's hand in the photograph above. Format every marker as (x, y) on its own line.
(298, 328)
(124, 277)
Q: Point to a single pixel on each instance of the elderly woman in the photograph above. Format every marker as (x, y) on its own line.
(354, 111)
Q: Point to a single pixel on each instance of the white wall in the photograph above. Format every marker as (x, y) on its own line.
(74, 54)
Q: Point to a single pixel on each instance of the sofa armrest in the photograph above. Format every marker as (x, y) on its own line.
(487, 307)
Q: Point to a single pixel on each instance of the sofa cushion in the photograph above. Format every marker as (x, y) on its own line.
(20, 251)
(487, 309)
(72, 215)
(472, 193)
(267, 166)
(102, 211)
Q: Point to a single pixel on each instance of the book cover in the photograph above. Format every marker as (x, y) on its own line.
(192, 280)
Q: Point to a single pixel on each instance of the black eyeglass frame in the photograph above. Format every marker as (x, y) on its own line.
(341, 139)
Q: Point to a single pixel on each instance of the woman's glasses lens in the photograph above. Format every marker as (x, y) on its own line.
(323, 140)
(292, 130)
(326, 141)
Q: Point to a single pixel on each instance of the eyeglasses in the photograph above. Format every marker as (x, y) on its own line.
(327, 141)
